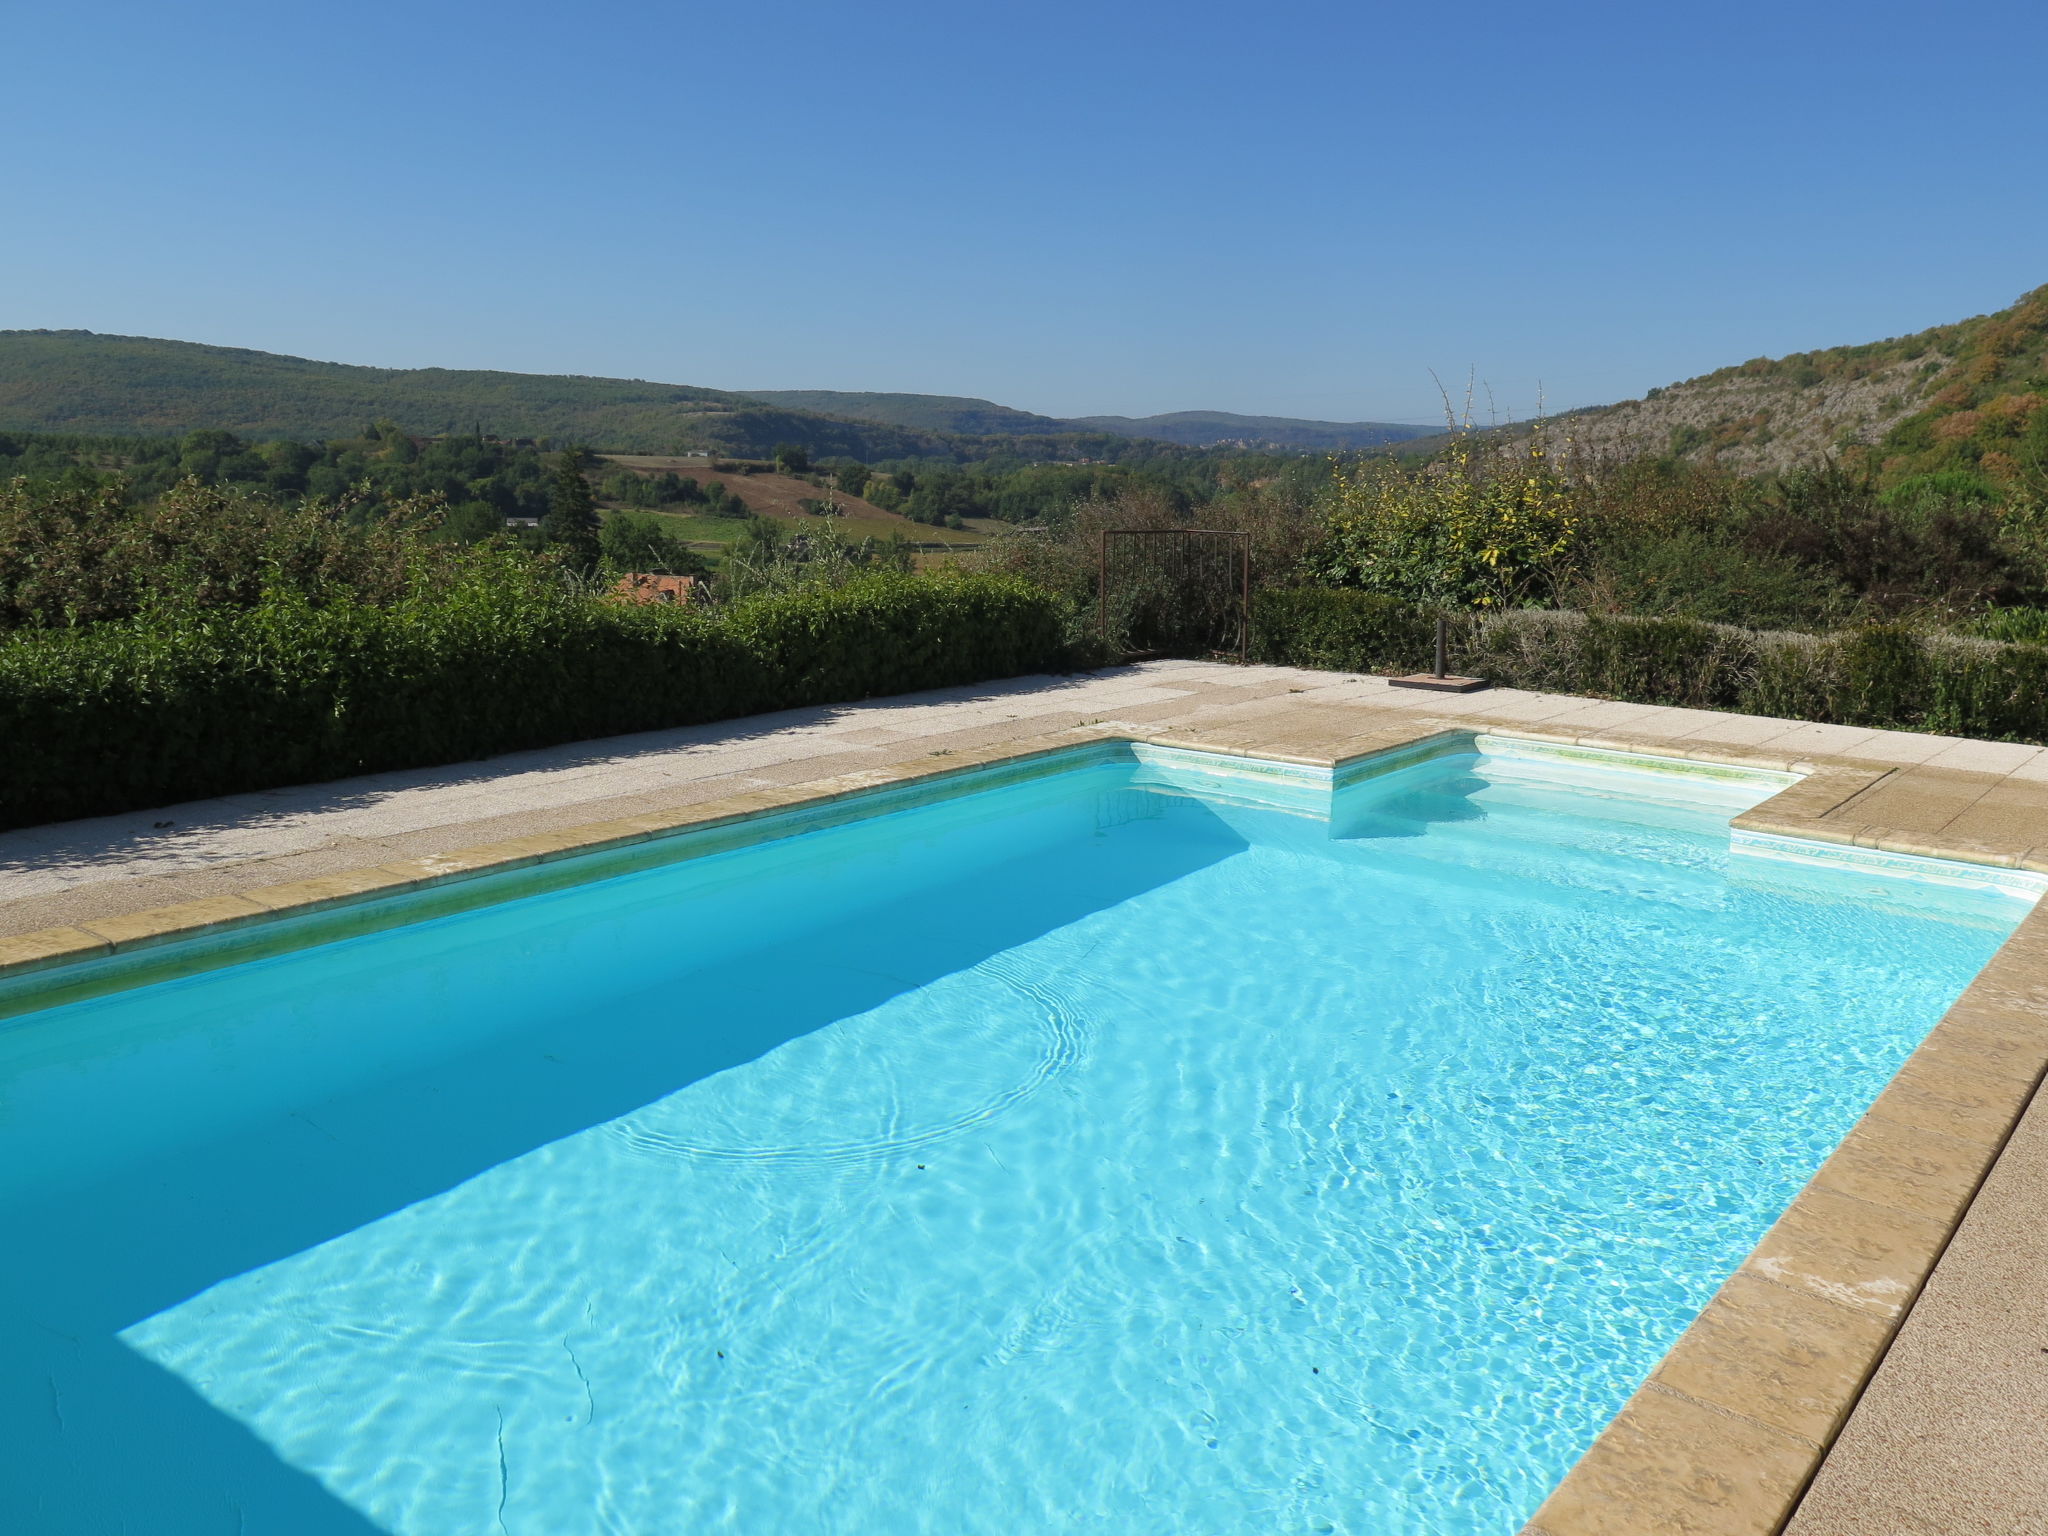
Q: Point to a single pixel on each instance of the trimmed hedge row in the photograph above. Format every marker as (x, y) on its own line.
(202, 703)
(1880, 676)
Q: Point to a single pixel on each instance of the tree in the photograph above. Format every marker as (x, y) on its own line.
(471, 522)
(646, 543)
(572, 522)
(1469, 530)
(724, 502)
(792, 458)
(852, 478)
(760, 539)
(202, 452)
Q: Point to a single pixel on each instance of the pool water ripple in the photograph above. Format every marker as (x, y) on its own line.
(1078, 1157)
(930, 1096)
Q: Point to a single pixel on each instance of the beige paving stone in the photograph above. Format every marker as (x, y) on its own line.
(820, 767)
(1905, 747)
(2013, 793)
(1782, 1357)
(1670, 1466)
(2009, 986)
(327, 889)
(1657, 725)
(1985, 756)
(1388, 738)
(1917, 800)
(516, 852)
(1922, 1172)
(1143, 714)
(1610, 715)
(464, 861)
(1742, 729)
(431, 841)
(1940, 845)
(1823, 793)
(873, 735)
(1599, 714)
(1834, 740)
(1948, 1438)
(74, 905)
(1813, 828)
(2015, 981)
(2009, 814)
(49, 946)
(1849, 1251)
(239, 876)
(167, 922)
(1510, 706)
(1995, 1043)
(1453, 706)
(1934, 1094)
(2034, 771)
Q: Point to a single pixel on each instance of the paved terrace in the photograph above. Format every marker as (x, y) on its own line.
(1948, 1438)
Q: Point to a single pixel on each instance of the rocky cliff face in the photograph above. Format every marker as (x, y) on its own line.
(1970, 397)
(1761, 422)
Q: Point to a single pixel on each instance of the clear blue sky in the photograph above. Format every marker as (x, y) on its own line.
(1288, 208)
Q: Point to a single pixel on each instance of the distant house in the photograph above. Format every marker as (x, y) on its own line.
(522, 522)
(649, 587)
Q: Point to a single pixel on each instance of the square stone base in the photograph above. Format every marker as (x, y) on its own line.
(1437, 684)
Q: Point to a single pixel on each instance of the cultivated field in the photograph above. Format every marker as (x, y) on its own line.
(769, 494)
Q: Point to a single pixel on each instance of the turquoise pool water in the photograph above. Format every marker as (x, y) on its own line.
(1143, 1147)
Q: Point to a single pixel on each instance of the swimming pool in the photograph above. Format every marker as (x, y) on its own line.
(1132, 1141)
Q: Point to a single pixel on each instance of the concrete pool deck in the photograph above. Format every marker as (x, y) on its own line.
(1725, 1437)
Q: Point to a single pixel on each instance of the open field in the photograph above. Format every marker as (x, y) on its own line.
(769, 494)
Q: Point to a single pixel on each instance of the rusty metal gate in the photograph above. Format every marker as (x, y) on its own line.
(1176, 592)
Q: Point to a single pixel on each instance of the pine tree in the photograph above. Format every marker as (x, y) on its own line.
(572, 521)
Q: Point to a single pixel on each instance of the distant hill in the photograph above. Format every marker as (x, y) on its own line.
(80, 381)
(1191, 429)
(85, 382)
(921, 413)
(1203, 429)
(1971, 396)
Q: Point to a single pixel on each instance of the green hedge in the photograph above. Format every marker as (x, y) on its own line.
(1880, 676)
(194, 704)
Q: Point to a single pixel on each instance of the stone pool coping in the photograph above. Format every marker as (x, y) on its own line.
(1734, 1422)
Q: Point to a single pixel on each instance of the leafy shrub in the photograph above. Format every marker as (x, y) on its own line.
(1663, 661)
(1943, 488)
(1811, 548)
(1980, 689)
(1470, 530)
(80, 555)
(1882, 676)
(1341, 629)
(892, 633)
(2020, 626)
(638, 542)
(1692, 573)
(190, 702)
(1897, 554)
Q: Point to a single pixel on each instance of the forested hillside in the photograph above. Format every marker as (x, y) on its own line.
(1201, 429)
(1190, 429)
(921, 413)
(83, 382)
(1968, 398)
